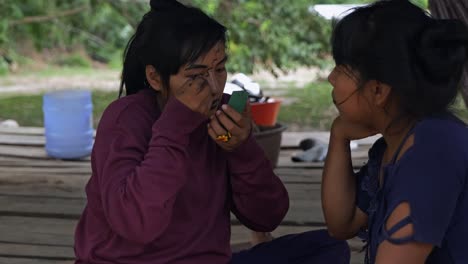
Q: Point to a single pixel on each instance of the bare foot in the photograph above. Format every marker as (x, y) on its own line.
(260, 237)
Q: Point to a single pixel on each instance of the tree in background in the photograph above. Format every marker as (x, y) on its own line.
(277, 35)
(274, 34)
(53, 28)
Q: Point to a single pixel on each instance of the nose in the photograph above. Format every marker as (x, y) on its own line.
(212, 82)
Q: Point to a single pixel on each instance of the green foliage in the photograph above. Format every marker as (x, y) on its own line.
(3, 67)
(74, 60)
(27, 109)
(312, 106)
(276, 34)
(99, 27)
(421, 3)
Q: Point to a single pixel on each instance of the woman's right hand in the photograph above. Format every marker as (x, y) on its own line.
(351, 131)
(196, 95)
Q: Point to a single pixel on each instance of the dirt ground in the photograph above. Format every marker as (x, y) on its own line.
(105, 79)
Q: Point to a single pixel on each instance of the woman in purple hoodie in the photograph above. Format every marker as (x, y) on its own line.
(171, 160)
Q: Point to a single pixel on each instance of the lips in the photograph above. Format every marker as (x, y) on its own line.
(215, 104)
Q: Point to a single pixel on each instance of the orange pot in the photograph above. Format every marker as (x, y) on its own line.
(266, 113)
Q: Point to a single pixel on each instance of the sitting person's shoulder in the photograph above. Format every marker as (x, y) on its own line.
(444, 130)
(136, 108)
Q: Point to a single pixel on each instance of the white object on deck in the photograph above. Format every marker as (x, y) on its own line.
(332, 11)
(9, 123)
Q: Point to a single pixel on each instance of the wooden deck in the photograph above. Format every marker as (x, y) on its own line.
(41, 198)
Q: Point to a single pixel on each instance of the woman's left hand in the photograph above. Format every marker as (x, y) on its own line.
(228, 128)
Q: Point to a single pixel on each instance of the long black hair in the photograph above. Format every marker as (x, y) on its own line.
(397, 43)
(168, 36)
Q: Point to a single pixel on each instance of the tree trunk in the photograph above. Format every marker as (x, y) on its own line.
(450, 9)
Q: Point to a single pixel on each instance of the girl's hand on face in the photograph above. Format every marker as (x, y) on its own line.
(197, 95)
(229, 128)
(351, 131)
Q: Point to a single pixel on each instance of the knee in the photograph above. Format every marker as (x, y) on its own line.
(326, 249)
(334, 244)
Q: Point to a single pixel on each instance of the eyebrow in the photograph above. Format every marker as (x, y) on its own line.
(201, 66)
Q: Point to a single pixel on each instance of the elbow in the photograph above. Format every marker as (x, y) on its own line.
(282, 211)
(278, 213)
(265, 219)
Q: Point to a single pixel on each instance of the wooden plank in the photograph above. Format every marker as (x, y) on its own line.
(23, 151)
(292, 139)
(43, 179)
(301, 212)
(59, 191)
(68, 202)
(241, 234)
(45, 170)
(22, 130)
(37, 206)
(359, 153)
(35, 136)
(43, 189)
(32, 131)
(37, 230)
(299, 175)
(36, 251)
(22, 140)
(285, 162)
(51, 163)
(10, 260)
(31, 152)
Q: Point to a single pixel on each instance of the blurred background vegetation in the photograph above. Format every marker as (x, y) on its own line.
(57, 37)
(273, 34)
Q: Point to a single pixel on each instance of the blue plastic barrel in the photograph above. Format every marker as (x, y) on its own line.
(68, 123)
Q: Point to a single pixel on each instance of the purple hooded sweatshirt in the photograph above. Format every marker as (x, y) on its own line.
(162, 191)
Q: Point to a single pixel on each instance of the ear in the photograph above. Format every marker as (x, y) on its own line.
(380, 92)
(153, 78)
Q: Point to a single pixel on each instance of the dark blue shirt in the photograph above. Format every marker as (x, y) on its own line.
(431, 176)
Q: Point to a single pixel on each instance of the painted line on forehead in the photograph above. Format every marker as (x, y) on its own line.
(202, 66)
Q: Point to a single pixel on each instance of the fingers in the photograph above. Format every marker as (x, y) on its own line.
(248, 109)
(211, 132)
(232, 114)
(216, 127)
(230, 124)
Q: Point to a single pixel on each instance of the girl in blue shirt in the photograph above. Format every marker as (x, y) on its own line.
(397, 72)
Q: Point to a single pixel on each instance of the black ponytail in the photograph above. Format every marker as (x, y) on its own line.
(133, 72)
